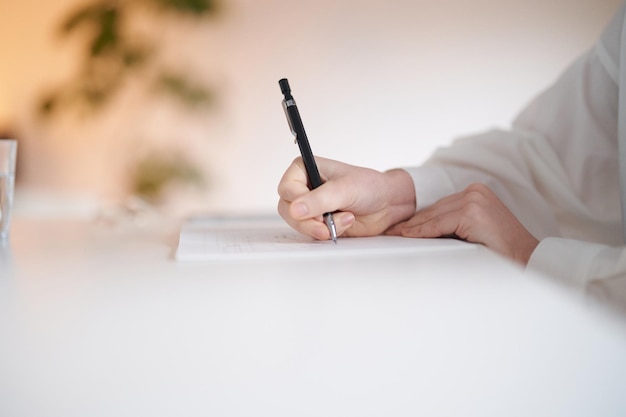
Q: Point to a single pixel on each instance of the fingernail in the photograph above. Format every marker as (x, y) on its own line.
(299, 210)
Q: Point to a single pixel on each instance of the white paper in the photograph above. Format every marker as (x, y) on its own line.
(223, 238)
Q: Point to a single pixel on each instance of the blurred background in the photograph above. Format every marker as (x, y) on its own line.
(177, 101)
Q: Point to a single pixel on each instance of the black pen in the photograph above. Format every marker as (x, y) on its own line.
(297, 128)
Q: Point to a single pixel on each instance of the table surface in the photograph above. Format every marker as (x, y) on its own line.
(99, 320)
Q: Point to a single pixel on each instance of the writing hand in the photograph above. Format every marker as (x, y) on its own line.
(366, 201)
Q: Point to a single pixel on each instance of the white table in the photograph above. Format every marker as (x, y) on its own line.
(104, 323)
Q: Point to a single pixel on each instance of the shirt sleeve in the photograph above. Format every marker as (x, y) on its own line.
(600, 269)
(556, 168)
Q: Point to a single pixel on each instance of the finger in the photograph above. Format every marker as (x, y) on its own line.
(343, 221)
(293, 182)
(444, 206)
(395, 230)
(294, 186)
(314, 227)
(445, 224)
(476, 194)
(318, 229)
(329, 197)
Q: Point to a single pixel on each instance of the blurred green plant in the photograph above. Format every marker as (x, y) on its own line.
(154, 172)
(112, 54)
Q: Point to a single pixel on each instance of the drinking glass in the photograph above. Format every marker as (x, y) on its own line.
(8, 154)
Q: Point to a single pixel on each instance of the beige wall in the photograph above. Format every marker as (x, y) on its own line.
(378, 83)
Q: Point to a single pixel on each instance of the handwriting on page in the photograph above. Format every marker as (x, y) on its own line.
(240, 241)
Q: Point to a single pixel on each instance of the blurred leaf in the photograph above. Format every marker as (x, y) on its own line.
(135, 56)
(104, 18)
(84, 14)
(187, 92)
(112, 55)
(47, 105)
(107, 35)
(197, 7)
(155, 172)
(95, 96)
(101, 81)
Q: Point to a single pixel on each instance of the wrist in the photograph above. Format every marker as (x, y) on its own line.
(401, 195)
(526, 250)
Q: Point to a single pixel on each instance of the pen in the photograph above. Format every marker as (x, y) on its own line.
(297, 128)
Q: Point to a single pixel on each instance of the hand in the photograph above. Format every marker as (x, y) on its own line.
(475, 215)
(366, 201)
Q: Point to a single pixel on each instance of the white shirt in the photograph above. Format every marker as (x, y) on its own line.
(557, 170)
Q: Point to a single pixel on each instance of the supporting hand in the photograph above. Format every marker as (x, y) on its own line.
(475, 215)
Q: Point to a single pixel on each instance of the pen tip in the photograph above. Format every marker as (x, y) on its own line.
(328, 219)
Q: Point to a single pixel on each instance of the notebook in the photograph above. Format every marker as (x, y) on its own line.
(213, 238)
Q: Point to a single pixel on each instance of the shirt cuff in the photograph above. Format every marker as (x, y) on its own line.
(431, 184)
(570, 260)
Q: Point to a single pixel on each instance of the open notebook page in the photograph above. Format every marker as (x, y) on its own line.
(223, 238)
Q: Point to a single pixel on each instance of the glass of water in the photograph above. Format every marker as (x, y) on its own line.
(8, 155)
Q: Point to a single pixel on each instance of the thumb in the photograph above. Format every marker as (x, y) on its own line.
(325, 199)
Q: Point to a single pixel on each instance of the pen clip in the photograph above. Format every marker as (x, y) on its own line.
(293, 131)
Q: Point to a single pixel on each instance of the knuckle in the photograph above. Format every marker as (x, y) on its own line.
(282, 208)
(477, 193)
(281, 189)
(477, 188)
(473, 210)
(297, 161)
(285, 192)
